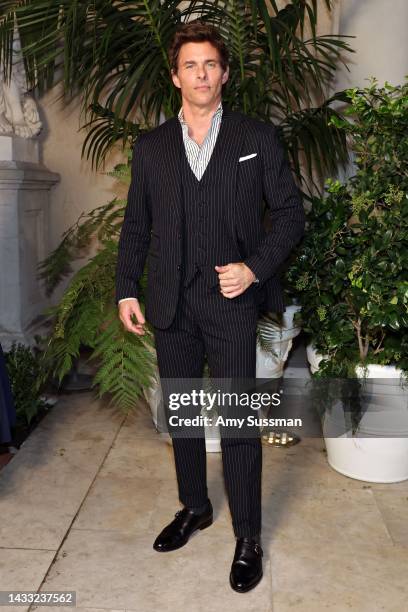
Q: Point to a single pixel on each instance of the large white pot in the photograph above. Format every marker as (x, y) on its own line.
(314, 358)
(378, 452)
(279, 338)
(154, 398)
(212, 439)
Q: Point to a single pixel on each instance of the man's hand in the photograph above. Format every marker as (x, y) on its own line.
(235, 278)
(126, 310)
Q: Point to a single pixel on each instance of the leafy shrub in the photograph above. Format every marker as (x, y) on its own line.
(24, 369)
(350, 274)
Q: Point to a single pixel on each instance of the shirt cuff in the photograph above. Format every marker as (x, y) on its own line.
(124, 299)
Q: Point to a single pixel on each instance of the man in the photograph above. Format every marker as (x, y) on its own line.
(195, 212)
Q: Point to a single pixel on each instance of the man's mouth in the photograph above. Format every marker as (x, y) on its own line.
(203, 87)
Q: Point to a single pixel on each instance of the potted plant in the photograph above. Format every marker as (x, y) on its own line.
(350, 275)
(154, 396)
(275, 335)
(28, 396)
(86, 316)
(275, 77)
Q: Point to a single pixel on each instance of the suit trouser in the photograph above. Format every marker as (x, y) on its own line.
(223, 329)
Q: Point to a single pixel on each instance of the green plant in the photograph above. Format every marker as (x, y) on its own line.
(350, 273)
(24, 370)
(87, 314)
(113, 55)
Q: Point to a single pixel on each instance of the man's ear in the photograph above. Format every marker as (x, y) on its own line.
(225, 76)
(175, 78)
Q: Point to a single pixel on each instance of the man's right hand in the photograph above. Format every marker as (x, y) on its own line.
(126, 310)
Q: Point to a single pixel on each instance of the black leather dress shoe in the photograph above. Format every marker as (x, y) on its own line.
(246, 569)
(177, 533)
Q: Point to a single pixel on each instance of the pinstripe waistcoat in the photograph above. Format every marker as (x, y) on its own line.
(206, 238)
(250, 168)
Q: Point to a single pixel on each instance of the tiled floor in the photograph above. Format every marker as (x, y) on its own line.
(84, 498)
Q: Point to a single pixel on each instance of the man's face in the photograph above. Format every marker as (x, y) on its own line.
(200, 75)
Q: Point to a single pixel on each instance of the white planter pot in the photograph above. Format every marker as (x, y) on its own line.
(270, 363)
(212, 439)
(314, 358)
(154, 398)
(381, 455)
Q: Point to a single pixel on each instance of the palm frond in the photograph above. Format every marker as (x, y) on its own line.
(316, 143)
(114, 57)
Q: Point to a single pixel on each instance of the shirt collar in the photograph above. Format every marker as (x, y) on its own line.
(217, 112)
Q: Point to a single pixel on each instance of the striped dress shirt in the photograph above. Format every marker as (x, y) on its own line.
(198, 156)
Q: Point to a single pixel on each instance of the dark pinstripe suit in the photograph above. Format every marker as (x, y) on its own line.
(191, 322)
(154, 211)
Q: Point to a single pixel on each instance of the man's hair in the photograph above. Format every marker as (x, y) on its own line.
(197, 31)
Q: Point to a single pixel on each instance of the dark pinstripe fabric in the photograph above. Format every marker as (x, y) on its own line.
(225, 330)
(221, 221)
(206, 239)
(207, 323)
(152, 225)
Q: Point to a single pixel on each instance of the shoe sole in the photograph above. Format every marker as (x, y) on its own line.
(249, 588)
(203, 526)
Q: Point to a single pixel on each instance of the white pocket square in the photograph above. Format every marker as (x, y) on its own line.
(247, 157)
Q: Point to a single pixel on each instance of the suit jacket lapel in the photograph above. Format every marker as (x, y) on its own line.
(171, 149)
(226, 151)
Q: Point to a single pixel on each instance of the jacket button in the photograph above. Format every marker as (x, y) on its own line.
(179, 267)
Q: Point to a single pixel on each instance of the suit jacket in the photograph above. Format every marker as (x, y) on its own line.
(152, 226)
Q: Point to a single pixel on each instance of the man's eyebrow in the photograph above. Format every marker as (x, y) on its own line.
(194, 62)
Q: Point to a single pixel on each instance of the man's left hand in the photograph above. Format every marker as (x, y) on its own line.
(235, 278)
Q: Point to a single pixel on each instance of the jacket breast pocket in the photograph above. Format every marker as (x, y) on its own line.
(249, 172)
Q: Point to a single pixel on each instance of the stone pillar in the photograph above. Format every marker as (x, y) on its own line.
(25, 185)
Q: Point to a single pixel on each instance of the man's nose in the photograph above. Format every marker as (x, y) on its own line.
(202, 72)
